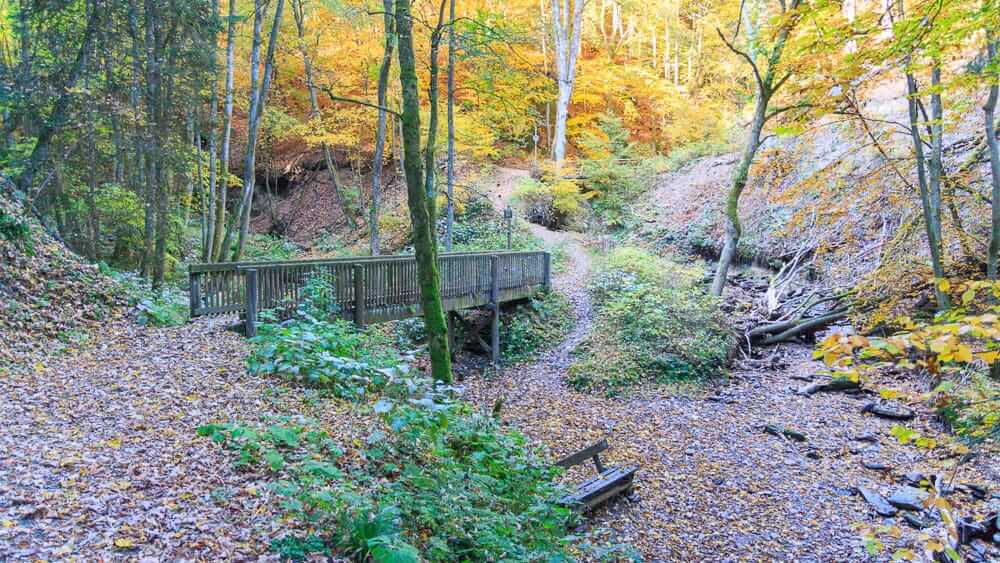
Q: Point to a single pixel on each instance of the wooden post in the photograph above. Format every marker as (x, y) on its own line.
(547, 270)
(451, 333)
(251, 304)
(359, 295)
(508, 215)
(495, 305)
(194, 292)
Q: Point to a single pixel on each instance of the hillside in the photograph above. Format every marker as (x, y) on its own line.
(831, 192)
(47, 292)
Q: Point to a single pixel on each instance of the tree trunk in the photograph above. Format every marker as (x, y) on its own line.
(383, 84)
(420, 217)
(567, 47)
(989, 119)
(767, 85)
(733, 227)
(930, 194)
(218, 250)
(298, 11)
(430, 168)
(450, 219)
(258, 95)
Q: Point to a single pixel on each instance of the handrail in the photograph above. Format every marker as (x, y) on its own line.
(234, 266)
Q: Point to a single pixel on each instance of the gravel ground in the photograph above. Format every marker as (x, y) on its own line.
(712, 486)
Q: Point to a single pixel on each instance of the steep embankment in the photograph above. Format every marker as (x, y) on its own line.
(831, 190)
(47, 293)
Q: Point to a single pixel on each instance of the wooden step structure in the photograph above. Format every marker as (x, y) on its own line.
(368, 289)
(610, 481)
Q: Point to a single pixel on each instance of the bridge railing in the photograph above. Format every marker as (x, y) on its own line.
(365, 289)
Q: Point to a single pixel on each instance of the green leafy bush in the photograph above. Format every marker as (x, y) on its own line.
(684, 154)
(480, 227)
(316, 350)
(535, 327)
(652, 325)
(439, 482)
(16, 232)
(614, 171)
(555, 201)
(267, 247)
(166, 307)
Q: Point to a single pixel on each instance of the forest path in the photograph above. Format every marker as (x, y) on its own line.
(712, 486)
(572, 282)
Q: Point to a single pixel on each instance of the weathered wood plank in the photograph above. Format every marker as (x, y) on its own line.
(584, 454)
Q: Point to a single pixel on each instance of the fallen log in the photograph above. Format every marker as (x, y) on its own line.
(785, 432)
(838, 384)
(807, 326)
(888, 411)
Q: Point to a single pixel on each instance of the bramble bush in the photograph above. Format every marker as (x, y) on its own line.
(653, 325)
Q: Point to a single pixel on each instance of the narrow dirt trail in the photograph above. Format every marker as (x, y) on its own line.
(712, 486)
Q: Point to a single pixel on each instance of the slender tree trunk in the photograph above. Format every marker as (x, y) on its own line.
(450, 220)
(218, 249)
(189, 185)
(767, 85)
(989, 121)
(420, 217)
(929, 179)
(430, 167)
(734, 229)
(257, 104)
(383, 84)
(209, 200)
(567, 46)
(298, 11)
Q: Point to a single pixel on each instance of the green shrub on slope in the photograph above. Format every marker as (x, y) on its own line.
(652, 325)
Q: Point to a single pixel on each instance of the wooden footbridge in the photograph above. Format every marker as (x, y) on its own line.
(369, 289)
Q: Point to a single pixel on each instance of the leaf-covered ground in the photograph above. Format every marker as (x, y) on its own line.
(99, 458)
(712, 486)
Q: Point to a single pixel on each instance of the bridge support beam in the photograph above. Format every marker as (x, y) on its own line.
(495, 307)
(360, 311)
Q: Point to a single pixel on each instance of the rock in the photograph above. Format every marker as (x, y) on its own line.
(976, 491)
(876, 466)
(878, 502)
(785, 432)
(908, 498)
(892, 412)
(914, 478)
(839, 384)
(969, 530)
(867, 437)
(915, 521)
(996, 538)
(813, 454)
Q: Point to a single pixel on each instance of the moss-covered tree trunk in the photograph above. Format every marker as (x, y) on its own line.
(767, 83)
(420, 217)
